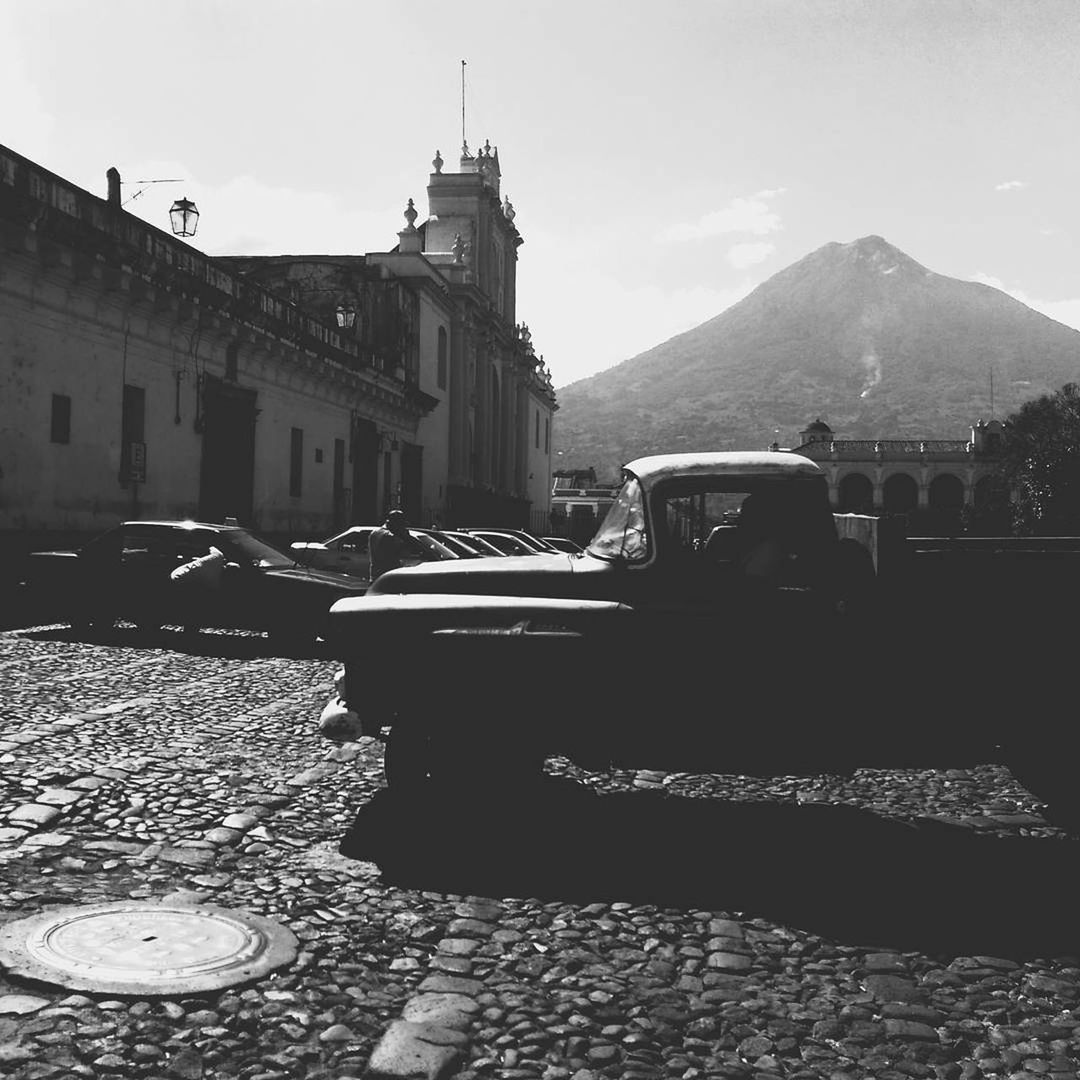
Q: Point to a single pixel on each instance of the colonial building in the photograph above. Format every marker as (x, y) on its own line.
(939, 482)
(141, 378)
(439, 311)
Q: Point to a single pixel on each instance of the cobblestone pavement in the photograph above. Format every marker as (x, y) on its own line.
(626, 925)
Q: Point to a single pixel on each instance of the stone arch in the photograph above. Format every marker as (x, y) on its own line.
(855, 494)
(946, 492)
(900, 494)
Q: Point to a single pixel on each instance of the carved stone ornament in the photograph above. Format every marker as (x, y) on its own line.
(410, 214)
(508, 208)
(458, 248)
(437, 163)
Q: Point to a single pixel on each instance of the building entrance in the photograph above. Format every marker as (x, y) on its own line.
(226, 487)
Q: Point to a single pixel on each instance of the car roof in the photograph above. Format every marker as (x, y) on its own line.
(187, 524)
(750, 463)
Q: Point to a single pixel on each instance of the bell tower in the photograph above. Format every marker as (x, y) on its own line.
(469, 227)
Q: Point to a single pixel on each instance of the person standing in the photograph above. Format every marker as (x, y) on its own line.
(387, 544)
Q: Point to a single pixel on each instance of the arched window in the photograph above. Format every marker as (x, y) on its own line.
(856, 494)
(901, 494)
(946, 492)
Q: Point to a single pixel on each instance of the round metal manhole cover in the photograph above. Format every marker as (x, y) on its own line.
(145, 948)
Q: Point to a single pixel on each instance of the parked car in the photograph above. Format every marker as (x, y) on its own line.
(128, 573)
(464, 547)
(347, 553)
(525, 537)
(564, 543)
(476, 543)
(510, 541)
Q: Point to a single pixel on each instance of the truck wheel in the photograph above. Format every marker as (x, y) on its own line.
(407, 759)
(466, 763)
(1051, 777)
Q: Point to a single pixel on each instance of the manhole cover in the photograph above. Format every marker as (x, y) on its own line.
(145, 948)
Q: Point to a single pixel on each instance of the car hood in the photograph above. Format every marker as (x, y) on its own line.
(570, 576)
(321, 578)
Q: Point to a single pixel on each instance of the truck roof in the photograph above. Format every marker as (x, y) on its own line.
(761, 463)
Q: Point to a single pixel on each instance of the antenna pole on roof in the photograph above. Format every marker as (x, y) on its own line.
(463, 141)
(991, 393)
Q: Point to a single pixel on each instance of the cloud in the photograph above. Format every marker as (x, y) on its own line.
(1065, 311)
(743, 214)
(1011, 185)
(743, 255)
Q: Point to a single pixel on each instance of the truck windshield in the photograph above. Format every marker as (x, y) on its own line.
(622, 534)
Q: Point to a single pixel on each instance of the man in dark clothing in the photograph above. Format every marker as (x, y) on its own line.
(387, 544)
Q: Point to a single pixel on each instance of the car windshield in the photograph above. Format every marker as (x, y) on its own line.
(480, 545)
(432, 546)
(511, 545)
(255, 551)
(458, 547)
(622, 533)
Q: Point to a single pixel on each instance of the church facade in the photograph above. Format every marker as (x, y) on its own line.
(440, 312)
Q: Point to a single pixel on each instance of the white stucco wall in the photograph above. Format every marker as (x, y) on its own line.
(72, 337)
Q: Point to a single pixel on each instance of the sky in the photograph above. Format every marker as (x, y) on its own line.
(663, 158)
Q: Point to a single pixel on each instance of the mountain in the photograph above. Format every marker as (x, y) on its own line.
(859, 334)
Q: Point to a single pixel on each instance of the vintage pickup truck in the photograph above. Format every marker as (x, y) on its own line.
(718, 622)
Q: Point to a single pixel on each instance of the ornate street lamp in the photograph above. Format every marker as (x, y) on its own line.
(346, 317)
(184, 217)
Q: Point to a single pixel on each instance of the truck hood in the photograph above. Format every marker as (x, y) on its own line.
(568, 576)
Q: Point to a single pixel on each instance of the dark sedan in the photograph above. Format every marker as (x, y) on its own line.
(128, 573)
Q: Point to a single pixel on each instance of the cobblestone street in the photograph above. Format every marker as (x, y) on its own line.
(636, 926)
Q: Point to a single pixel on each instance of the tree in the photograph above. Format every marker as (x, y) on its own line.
(1042, 463)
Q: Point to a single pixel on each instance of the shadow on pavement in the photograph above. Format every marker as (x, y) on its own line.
(216, 643)
(832, 870)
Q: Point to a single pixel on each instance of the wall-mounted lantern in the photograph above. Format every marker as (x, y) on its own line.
(346, 317)
(184, 217)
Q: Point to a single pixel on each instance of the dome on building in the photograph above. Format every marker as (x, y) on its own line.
(819, 427)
